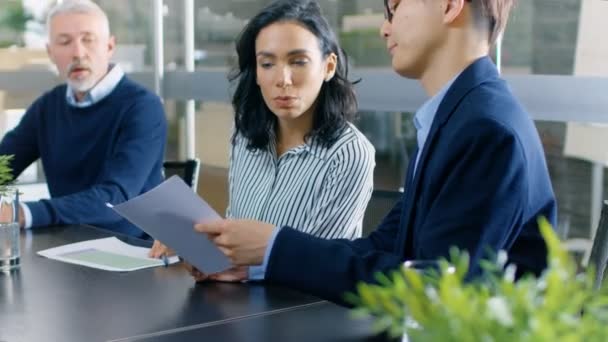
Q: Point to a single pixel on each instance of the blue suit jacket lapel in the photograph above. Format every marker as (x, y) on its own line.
(478, 72)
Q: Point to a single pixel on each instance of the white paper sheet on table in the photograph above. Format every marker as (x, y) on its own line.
(108, 254)
(168, 213)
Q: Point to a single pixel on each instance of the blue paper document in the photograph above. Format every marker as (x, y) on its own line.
(168, 213)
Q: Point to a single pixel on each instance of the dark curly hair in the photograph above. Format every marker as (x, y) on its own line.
(336, 103)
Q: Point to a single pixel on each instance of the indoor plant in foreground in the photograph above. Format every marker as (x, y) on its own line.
(6, 175)
(560, 305)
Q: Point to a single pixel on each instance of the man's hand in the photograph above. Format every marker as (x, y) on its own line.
(242, 241)
(194, 272)
(159, 249)
(234, 274)
(6, 215)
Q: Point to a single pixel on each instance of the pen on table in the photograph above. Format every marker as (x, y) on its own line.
(165, 260)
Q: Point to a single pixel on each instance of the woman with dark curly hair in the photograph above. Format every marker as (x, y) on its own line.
(296, 159)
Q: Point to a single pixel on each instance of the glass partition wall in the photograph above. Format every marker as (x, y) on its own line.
(551, 55)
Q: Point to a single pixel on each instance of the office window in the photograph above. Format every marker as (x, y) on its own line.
(561, 37)
(544, 37)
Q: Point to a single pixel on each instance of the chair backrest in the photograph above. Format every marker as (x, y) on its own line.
(381, 202)
(187, 170)
(599, 252)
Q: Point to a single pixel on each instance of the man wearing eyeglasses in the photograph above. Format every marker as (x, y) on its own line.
(478, 180)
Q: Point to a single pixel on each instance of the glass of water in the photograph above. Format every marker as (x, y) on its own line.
(9, 229)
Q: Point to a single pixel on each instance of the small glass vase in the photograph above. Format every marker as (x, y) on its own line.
(9, 229)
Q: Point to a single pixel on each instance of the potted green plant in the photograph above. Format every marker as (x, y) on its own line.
(6, 175)
(560, 305)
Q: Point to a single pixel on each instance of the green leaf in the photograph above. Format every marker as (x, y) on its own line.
(560, 305)
(6, 173)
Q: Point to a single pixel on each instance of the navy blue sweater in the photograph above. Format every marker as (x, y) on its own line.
(108, 152)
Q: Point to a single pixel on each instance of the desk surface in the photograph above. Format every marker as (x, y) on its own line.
(48, 300)
(322, 321)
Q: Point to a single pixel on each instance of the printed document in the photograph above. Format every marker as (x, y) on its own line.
(108, 254)
(168, 213)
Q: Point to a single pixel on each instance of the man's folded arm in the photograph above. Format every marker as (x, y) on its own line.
(383, 238)
(22, 141)
(125, 174)
(324, 268)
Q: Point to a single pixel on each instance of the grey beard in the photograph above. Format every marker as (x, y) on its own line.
(81, 86)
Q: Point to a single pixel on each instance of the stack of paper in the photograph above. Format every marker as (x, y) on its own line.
(108, 254)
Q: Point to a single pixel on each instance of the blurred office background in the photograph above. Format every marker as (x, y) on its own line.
(550, 49)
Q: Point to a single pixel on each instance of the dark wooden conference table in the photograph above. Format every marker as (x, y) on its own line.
(48, 300)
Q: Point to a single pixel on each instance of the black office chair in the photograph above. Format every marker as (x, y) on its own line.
(186, 170)
(381, 202)
(599, 252)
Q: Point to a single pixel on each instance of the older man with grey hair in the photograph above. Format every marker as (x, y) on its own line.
(101, 137)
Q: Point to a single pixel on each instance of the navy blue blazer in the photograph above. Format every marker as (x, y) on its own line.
(480, 185)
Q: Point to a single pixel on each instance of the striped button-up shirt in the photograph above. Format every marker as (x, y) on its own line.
(318, 190)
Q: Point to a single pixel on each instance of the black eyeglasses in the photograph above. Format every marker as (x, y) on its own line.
(388, 11)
